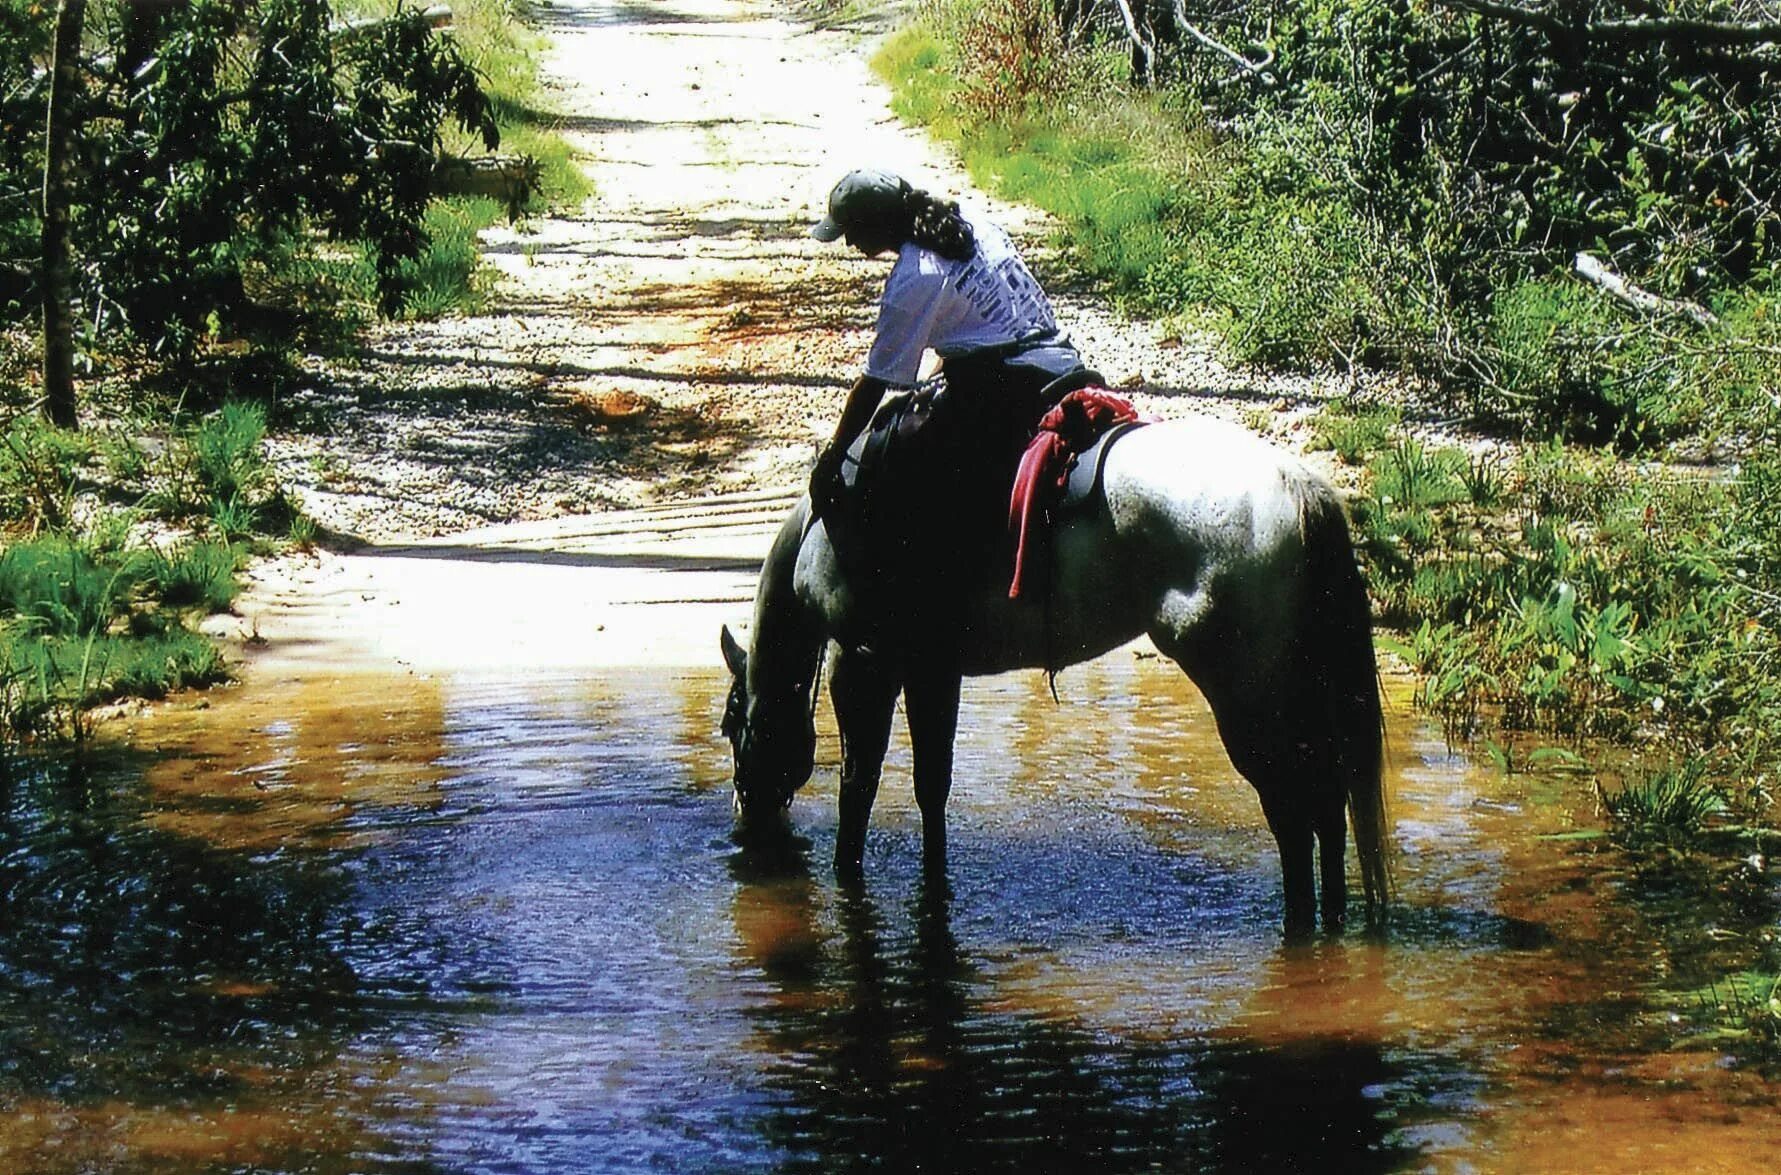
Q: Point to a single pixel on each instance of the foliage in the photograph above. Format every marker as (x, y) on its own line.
(1354, 434)
(96, 600)
(215, 134)
(216, 468)
(40, 469)
(1400, 183)
(1569, 593)
(1666, 804)
(200, 574)
(57, 586)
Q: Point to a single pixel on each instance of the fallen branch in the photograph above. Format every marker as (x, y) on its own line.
(1591, 269)
(511, 179)
(1633, 31)
(438, 16)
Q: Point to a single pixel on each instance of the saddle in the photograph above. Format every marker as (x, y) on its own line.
(1061, 470)
(922, 507)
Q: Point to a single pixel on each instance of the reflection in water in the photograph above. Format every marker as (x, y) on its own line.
(892, 1051)
(465, 927)
(152, 985)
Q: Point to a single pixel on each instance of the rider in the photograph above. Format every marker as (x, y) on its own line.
(960, 288)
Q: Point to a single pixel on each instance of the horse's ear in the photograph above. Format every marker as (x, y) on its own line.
(735, 656)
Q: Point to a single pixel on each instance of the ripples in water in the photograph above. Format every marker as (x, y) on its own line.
(446, 926)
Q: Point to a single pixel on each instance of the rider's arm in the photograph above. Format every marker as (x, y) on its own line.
(856, 414)
(862, 401)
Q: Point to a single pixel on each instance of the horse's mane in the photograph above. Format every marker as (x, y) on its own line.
(787, 639)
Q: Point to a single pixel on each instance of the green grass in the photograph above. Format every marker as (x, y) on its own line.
(197, 574)
(47, 685)
(96, 611)
(1168, 222)
(53, 586)
(1664, 805)
(449, 276)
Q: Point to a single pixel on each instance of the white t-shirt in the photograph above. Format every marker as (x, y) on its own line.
(955, 306)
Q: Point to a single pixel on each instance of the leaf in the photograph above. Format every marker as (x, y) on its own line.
(1557, 759)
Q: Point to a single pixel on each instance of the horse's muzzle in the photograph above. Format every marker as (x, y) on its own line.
(758, 808)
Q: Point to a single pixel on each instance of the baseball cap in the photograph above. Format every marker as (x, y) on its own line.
(861, 197)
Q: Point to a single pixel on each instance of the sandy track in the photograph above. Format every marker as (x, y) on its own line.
(650, 378)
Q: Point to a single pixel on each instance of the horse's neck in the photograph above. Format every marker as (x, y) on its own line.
(788, 636)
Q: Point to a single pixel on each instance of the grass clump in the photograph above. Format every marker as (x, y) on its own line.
(1665, 805)
(97, 602)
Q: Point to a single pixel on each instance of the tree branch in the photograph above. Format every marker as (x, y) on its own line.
(438, 16)
(1591, 269)
(1634, 31)
(1143, 52)
(1255, 69)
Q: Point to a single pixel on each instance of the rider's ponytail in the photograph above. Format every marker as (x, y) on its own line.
(938, 225)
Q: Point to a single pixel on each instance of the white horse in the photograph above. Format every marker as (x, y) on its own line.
(1233, 557)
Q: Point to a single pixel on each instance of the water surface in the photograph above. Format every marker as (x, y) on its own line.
(448, 925)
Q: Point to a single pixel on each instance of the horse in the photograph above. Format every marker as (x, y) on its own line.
(1235, 559)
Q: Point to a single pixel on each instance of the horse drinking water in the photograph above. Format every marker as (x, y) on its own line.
(1233, 557)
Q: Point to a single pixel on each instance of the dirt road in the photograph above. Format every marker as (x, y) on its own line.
(653, 372)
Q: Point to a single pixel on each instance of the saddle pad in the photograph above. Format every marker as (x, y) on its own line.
(1083, 487)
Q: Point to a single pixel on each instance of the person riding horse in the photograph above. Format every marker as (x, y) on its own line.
(959, 288)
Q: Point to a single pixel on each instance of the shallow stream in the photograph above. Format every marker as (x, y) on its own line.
(450, 925)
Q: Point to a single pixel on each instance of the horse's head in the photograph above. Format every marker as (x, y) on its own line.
(773, 738)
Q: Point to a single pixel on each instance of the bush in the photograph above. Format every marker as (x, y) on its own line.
(1409, 188)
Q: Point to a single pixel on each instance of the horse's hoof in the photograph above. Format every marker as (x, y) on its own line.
(1298, 931)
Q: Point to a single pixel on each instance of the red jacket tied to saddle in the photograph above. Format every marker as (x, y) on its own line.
(1065, 432)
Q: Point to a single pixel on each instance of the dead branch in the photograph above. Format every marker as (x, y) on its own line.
(437, 16)
(1258, 70)
(1637, 30)
(511, 179)
(1143, 51)
(1591, 269)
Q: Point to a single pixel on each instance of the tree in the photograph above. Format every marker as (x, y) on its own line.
(188, 144)
(59, 126)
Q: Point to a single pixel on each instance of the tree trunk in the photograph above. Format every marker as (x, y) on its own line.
(58, 319)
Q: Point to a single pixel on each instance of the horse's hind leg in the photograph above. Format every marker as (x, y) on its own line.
(932, 697)
(1292, 830)
(864, 693)
(1332, 852)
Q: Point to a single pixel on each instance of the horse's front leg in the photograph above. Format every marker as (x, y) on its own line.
(932, 696)
(864, 693)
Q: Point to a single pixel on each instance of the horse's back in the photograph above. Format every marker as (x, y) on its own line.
(1208, 481)
(1214, 526)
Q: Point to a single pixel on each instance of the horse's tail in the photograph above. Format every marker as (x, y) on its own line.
(1347, 678)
